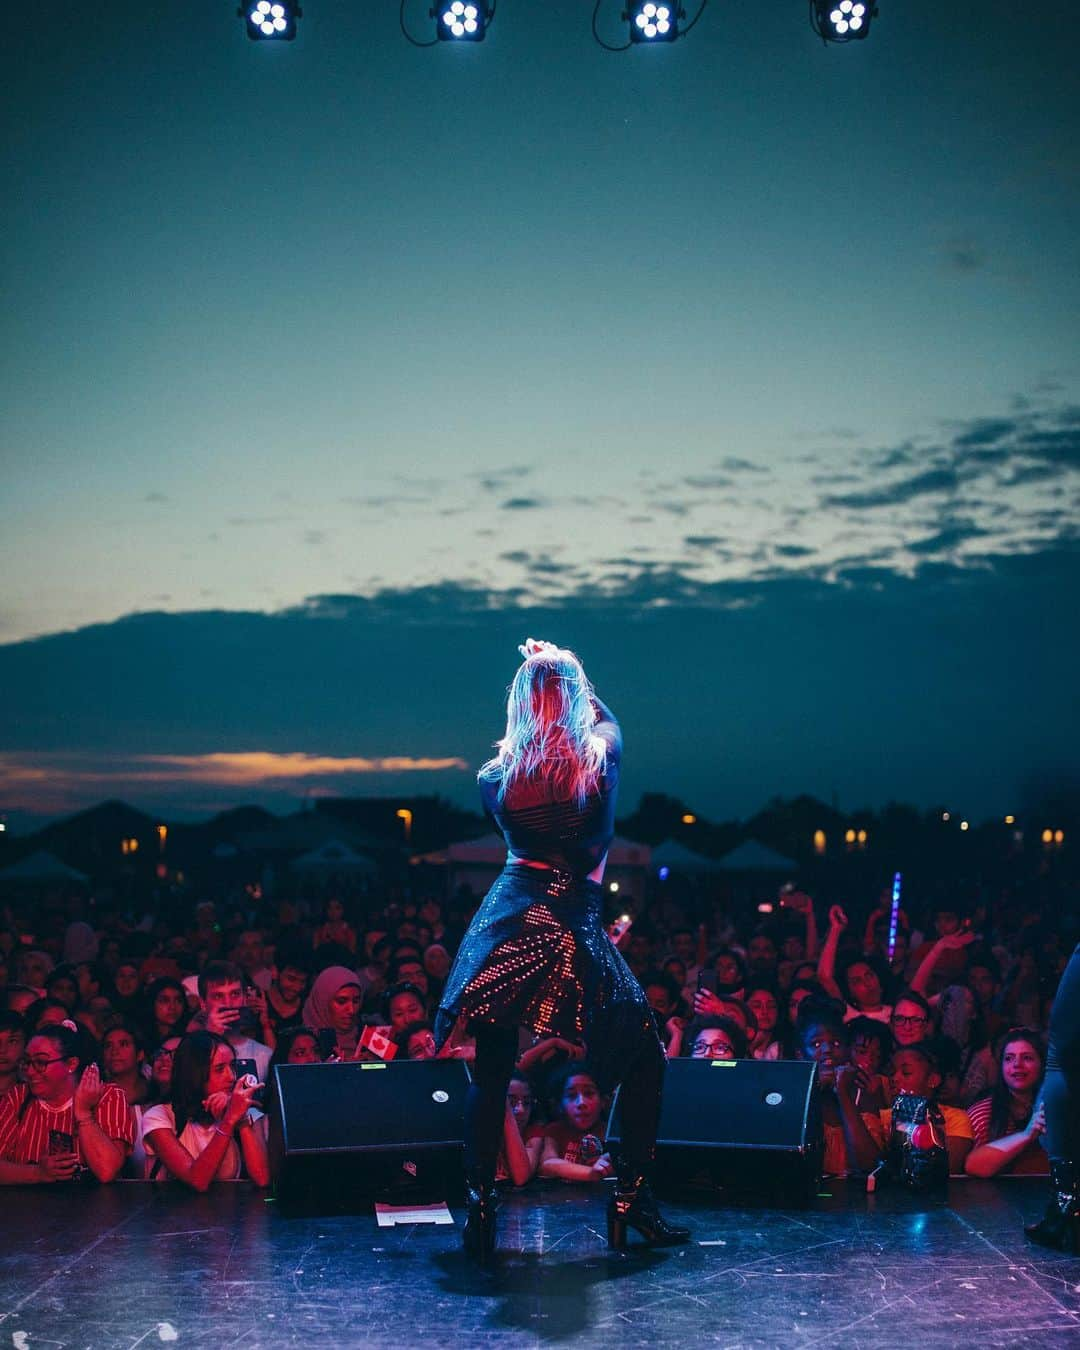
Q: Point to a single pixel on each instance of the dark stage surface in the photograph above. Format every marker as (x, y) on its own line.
(133, 1266)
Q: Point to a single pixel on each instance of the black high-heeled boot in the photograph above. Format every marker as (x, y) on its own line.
(1060, 1225)
(482, 1204)
(634, 1206)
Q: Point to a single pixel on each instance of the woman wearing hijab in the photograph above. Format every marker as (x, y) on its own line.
(332, 1009)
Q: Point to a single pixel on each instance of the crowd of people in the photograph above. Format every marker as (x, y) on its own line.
(139, 1046)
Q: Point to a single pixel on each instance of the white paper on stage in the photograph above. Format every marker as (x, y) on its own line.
(389, 1215)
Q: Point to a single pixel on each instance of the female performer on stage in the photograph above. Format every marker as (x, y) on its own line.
(536, 953)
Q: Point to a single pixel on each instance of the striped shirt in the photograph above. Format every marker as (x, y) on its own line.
(24, 1138)
(1031, 1160)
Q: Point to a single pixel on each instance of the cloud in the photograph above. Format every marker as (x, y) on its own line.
(521, 504)
(708, 482)
(733, 464)
(986, 431)
(155, 497)
(947, 538)
(922, 484)
(720, 686)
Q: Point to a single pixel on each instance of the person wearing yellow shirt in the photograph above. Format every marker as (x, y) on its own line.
(914, 1070)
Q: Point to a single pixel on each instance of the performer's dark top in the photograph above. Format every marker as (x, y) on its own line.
(562, 834)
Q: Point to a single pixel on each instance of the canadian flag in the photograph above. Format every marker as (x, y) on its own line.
(371, 1038)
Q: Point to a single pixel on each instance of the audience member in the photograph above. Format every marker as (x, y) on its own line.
(60, 1123)
(519, 1156)
(166, 1010)
(12, 1047)
(912, 1019)
(228, 1010)
(332, 1010)
(207, 1130)
(1008, 1123)
(914, 1070)
(854, 1139)
(573, 1148)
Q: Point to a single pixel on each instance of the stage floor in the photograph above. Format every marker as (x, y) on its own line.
(131, 1266)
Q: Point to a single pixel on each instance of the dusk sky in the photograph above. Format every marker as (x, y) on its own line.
(748, 367)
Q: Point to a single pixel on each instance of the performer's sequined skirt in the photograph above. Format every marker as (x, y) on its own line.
(536, 955)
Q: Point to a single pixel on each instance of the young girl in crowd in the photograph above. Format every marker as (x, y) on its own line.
(573, 1145)
(519, 1156)
(853, 1135)
(207, 1132)
(296, 1045)
(123, 1060)
(713, 1038)
(915, 1070)
(161, 1066)
(1008, 1123)
(166, 1010)
(862, 980)
(763, 1000)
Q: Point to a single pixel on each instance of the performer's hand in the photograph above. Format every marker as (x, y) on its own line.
(536, 647)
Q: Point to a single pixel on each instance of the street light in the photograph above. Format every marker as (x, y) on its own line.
(404, 814)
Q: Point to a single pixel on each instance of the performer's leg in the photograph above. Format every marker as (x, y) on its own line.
(633, 1204)
(485, 1112)
(485, 1102)
(1061, 1098)
(639, 1105)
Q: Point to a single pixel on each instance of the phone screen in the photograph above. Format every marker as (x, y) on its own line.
(707, 980)
(61, 1142)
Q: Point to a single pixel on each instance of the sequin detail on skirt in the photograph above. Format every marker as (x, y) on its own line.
(536, 955)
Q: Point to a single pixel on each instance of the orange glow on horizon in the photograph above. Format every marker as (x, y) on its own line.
(56, 771)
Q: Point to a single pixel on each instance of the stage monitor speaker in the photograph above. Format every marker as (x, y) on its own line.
(744, 1124)
(353, 1129)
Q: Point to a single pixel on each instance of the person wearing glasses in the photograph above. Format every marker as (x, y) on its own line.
(59, 1123)
(912, 1020)
(519, 1156)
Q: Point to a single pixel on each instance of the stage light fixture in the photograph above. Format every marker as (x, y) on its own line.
(462, 20)
(841, 20)
(270, 20)
(651, 21)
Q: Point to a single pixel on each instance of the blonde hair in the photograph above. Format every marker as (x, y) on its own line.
(549, 728)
